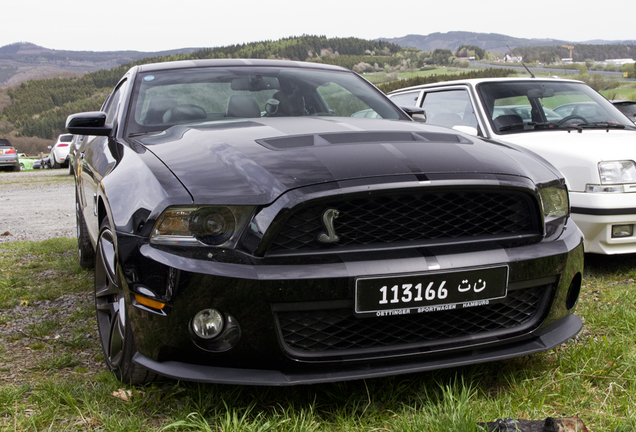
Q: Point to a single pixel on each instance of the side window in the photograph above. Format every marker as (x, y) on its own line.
(406, 99)
(113, 105)
(449, 108)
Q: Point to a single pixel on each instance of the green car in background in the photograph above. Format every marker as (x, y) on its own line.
(26, 162)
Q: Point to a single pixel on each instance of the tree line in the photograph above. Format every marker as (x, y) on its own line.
(580, 53)
(421, 80)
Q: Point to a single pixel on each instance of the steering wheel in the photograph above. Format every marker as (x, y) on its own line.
(571, 117)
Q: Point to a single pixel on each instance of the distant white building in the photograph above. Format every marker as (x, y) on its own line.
(619, 62)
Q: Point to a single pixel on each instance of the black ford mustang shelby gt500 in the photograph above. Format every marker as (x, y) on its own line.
(279, 223)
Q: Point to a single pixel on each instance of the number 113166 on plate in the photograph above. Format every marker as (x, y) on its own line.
(430, 292)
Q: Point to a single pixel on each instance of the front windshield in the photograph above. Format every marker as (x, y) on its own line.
(212, 94)
(521, 106)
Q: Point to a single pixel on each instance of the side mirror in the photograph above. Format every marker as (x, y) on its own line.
(417, 114)
(49, 147)
(88, 123)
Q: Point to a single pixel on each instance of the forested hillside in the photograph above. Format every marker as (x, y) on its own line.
(22, 61)
(495, 42)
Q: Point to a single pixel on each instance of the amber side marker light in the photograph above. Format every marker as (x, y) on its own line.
(150, 303)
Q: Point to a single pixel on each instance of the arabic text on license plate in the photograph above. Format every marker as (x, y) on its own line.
(430, 292)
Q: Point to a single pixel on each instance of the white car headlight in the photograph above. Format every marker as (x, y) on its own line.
(201, 225)
(615, 175)
(617, 172)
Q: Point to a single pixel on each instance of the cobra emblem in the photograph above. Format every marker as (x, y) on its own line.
(329, 236)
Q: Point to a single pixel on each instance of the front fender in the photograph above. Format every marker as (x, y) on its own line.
(137, 189)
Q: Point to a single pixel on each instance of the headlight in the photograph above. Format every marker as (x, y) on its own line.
(615, 177)
(555, 202)
(617, 172)
(556, 207)
(202, 225)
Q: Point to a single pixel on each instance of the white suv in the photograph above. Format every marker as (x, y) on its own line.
(565, 121)
(59, 152)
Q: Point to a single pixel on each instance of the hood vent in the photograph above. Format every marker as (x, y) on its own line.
(299, 141)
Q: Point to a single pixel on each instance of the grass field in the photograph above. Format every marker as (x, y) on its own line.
(592, 377)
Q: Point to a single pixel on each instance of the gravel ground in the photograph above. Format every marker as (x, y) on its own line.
(36, 205)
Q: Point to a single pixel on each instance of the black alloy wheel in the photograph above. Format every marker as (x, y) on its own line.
(112, 320)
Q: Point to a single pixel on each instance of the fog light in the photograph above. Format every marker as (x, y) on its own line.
(622, 231)
(207, 324)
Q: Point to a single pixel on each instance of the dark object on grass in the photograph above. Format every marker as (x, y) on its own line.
(550, 424)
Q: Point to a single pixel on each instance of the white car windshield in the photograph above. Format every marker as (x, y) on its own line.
(522, 106)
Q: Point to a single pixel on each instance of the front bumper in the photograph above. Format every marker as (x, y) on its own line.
(596, 213)
(255, 294)
(547, 338)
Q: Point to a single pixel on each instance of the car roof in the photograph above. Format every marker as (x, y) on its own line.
(473, 82)
(5, 142)
(186, 64)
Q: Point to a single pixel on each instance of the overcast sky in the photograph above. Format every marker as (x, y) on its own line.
(162, 25)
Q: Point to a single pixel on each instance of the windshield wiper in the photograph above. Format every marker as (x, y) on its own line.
(138, 134)
(512, 126)
(535, 125)
(602, 125)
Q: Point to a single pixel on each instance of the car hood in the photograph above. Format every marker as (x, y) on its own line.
(577, 155)
(254, 162)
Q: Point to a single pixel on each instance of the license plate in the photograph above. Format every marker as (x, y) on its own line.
(430, 292)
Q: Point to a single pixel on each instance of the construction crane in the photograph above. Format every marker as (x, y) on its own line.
(571, 48)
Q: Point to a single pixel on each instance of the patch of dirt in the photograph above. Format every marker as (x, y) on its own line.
(25, 356)
(36, 205)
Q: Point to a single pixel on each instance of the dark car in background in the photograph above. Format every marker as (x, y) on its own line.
(248, 225)
(9, 160)
(627, 107)
(75, 144)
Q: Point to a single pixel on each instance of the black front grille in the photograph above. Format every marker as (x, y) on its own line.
(436, 216)
(316, 333)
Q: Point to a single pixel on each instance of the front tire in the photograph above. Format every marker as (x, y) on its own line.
(115, 332)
